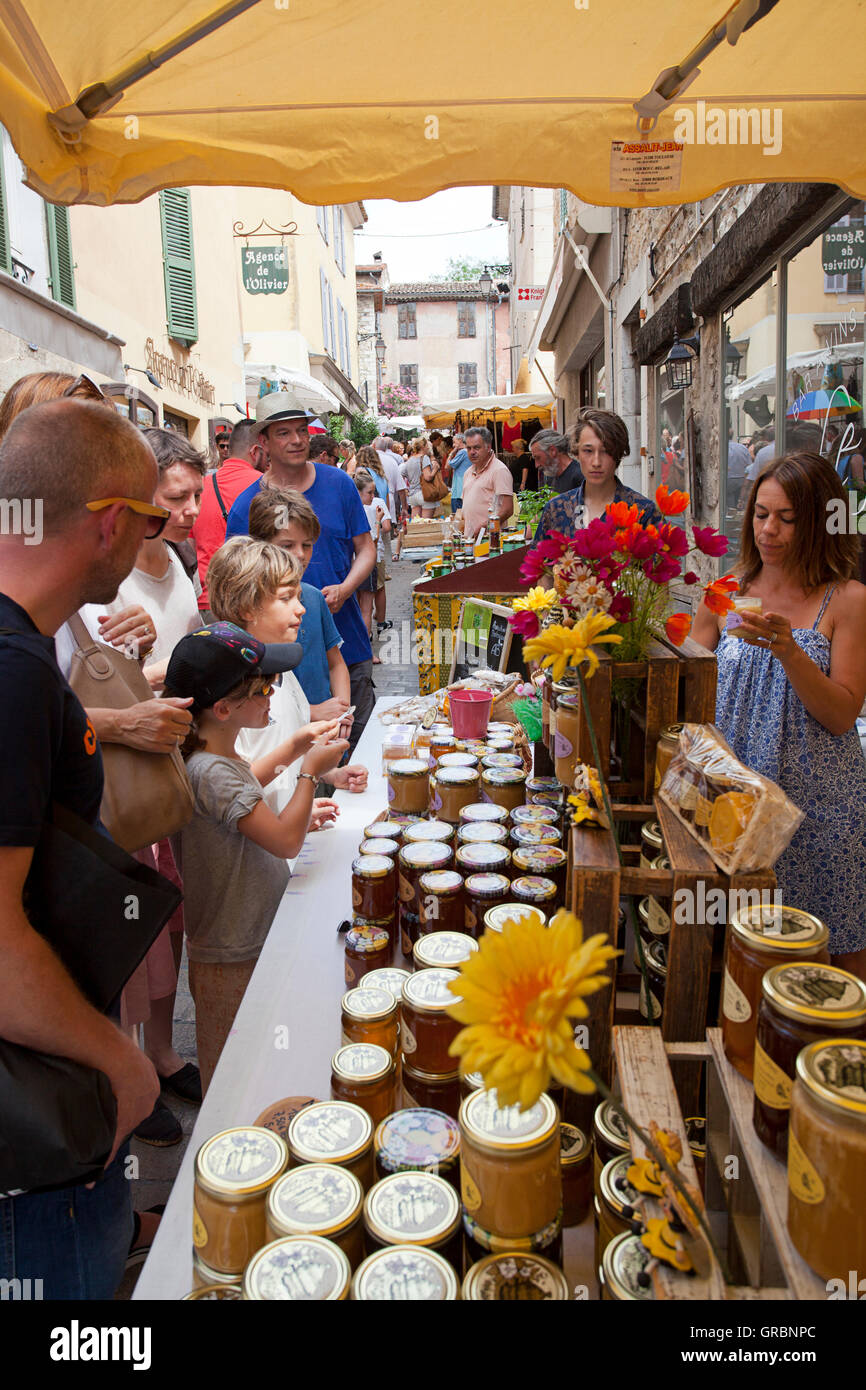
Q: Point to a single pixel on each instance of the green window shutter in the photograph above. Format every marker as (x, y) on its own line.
(5, 245)
(60, 277)
(177, 250)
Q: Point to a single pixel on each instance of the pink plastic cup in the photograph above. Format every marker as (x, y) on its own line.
(470, 712)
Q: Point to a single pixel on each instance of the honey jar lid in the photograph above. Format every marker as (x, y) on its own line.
(657, 956)
(482, 833)
(609, 1124)
(643, 909)
(487, 885)
(811, 991)
(442, 883)
(280, 1113)
(496, 917)
(834, 1069)
(503, 776)
(624, 1268)
(387, 829)
(552, 799)
(651, 833)
(240, 1162)
(538, 889)
(661, 861)
(443, 948)
(483, 856)
(428, 830)
(408, 767)
(544, 784)
(405, 1272)
(507, 1128)
(779, 927)
(614, 1187)
(212, 1291)
(672, 731)
(377, 847)
(534, 833)
(500, 728)
(368, 1003)
(430, 1078)
(457, 760)
(500, 743)
(427, 854)
(205, 1276)
(455, 776)
(389, 977)
(317, 1199)
(330, 1131)
(363, 940)
(427, 990)
(412, 1208)
(362, 1063)
(540, 858)
(515, 1275)
(372, 866)
(306, 1269)
(533, 815)
(573, 1144)
(418, 1140)
(473, 1080)
(482, 811)
(502, 760)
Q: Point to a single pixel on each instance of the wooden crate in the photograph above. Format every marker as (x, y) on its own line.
(598, 882)
(746, 1216)
(678, 684)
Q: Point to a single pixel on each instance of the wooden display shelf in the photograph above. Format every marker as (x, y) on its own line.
(597, 883)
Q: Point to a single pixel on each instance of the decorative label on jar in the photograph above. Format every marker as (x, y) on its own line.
(562, 747)
(404, 888)
(408, 1038)
(655, 1008)
(406, 944)
(357, 898)
(199, 1230)
(658, 920)
(435, 801)
(350, 974)
(735, 1005)
(772, 1086)
(469, 1190)
(804, 1181)
(391, 793)
(470, 919)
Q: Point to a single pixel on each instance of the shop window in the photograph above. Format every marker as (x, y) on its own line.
(140, 408)
(670, 445)
(406, 323)
(409, 375)
(749, 414)
(467, 379)
(172, 421)
(466, 319)
(179, 266)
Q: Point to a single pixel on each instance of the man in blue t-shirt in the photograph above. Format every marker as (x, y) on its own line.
(344, 553)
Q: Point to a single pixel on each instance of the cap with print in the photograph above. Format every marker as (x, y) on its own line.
(213, 660)
(279, 405)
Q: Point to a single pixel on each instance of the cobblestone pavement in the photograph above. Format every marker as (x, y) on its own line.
(157, 1168)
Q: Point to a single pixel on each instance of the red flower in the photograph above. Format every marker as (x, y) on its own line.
(673, 539)
(621, 514)
(661, 568)
(533, 567)
(671, 503)
(620, 608)
(690, 577)
(595, 542)
(709, 542)
(677, 628)
(525, 623)
(643, 542)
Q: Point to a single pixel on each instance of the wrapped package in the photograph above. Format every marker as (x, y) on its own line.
(398, 742)
(743, 820)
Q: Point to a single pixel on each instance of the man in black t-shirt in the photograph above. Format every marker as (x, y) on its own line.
(556, 467)
(56, 461)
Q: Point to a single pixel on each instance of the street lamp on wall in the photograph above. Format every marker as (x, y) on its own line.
(679, 362)
(380, 349)
(485, 283)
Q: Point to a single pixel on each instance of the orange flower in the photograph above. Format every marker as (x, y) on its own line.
(621, 514)
(671, 503)
(717, 594)
(678, 627)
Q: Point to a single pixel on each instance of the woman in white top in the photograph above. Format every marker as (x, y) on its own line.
(412, 474)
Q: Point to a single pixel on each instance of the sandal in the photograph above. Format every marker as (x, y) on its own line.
(184, 1083)
(139, 1253)
(383, 627)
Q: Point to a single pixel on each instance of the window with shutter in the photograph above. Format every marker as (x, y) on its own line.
(60, 277)
(179, 265)
(339, 239)
(348, 367)
(406, 327)
(323, 289)
(467, 377)
(5, 244)
(466, 319)
(409, 375)
(332, 341)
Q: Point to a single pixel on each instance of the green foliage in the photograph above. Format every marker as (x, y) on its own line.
(363, 429)
(337, 427)
(470, 268)
(532, 504)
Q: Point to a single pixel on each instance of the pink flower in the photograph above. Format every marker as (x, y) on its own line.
(673, 539)
(595, 542)
(708, 540)
(620, 608)
(643, 544)
(661, 569)
(526, 623)
(690, 577)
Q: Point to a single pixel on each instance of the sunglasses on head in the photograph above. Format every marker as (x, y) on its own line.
(85, 388)
(156, 516)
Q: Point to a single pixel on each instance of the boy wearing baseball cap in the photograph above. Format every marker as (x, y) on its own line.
(234, 850)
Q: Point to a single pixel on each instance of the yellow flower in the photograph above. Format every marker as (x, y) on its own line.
(517, 995)
(535, 600)
(558, 646)
(582, 810)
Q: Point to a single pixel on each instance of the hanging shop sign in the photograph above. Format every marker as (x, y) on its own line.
(843, 248)
(530, 294)
(265, 269)
(180, 376)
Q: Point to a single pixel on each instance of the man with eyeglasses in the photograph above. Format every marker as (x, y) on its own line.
(95, 475)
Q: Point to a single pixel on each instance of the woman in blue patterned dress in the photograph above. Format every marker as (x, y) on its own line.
(792, 683)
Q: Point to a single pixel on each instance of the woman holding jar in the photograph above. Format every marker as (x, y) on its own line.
(791, 683)
(600, 444)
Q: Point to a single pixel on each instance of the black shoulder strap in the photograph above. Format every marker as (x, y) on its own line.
(222, 505)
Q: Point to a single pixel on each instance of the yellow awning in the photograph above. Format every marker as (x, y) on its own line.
(476, 409)
(338, 100)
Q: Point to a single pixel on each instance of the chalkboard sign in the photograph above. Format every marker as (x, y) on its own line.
(483, 640)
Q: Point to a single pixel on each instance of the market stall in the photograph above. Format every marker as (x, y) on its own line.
(535, 411)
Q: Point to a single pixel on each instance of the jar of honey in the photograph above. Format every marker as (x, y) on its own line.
(374, 887)
(801, 1003)
(479, 812)
(609, 1137)
(536, 891)
(479, 1242)
(452, 788)
(422, 830)
(624, 1276)
(483, 891)
(482, 833)
(646, 935)
(368, 948)
(658, 918)
(427, 1030)
(510, 1173)
(758, 937)
(414, 1209)
(407, 786)
(371, 1016)
(546, 861)
(203, 1277)
(504, 786)
(553, 800)
(615, 1205)
(514, 1277)
(651, 843)
(234, 1170)
(668, 744)
(485, 858)
(419, 1141)
(502, 760)
(696, 1133)
(541, 786)
(567, 736)
(405, 1273)
(334, 1132)
(412, 862)
(534, 815)
(575, 1159)
(391, 978)
(440, 744)
(319, 1199)
(385, 829)
(496, 917)
(444, 950)
(827, 1158)
(528, 835)
(423, 1091)
(410, 930)
(546, 690)
(213, 1292)
(441, 895)
(458, 760)
(298, 1268)
(364, 1075)
(655, 956)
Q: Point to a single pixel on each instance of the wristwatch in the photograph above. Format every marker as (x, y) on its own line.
(309, 775)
